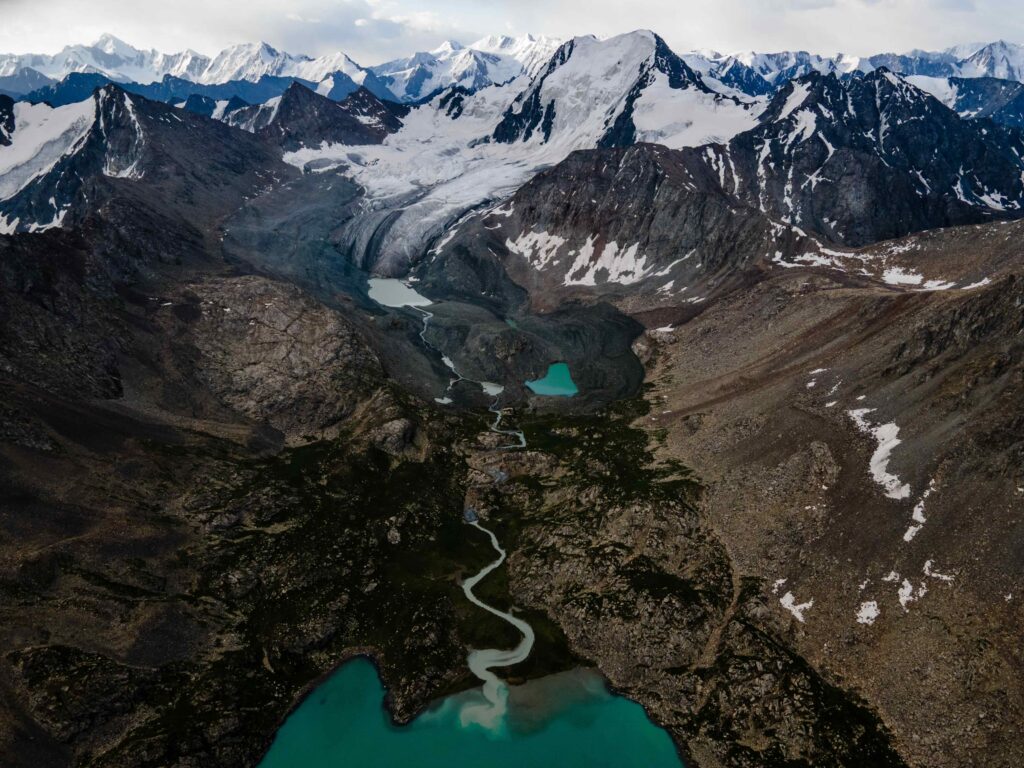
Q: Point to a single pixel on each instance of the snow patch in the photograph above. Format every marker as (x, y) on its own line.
(789, 603)
(918, 514)
(887, 437)
(538, 248)
(868, 612)
(795, 99)
(619, 265)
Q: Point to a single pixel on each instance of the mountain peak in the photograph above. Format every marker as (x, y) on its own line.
(114, 46)
(448, 47)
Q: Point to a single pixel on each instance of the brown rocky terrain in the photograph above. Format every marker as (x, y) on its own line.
(917, 612)
(172, 577)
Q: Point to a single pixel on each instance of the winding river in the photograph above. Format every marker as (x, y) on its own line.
(569, 720)
(491, 714)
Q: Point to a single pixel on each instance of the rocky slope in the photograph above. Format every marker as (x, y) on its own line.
(179, 576)
(616, 223)
(301, 117)
(863, 552)
(195, 169)
(857, 161)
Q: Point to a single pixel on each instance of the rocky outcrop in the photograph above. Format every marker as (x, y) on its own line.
(870, 159)
(301, 117)
(276, 356)
(158, 162)
(6, 120)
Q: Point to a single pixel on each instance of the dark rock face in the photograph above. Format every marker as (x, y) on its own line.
(1001, 101)
(6, 120)
(167, 162)
(271, 353)
(738, 75)
(453, 102)
(75, 87)
(680, 75)
(207, 107)
(870, 159)
(78, 86)
(25, 80)
(304, 118)
(267, 87)
(375, 111)
(55, 334)
(394, 437)
(200, 105)
(623, 222)
(526, 114)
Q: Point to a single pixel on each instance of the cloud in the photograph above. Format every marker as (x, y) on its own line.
(375, 30)
(369, 30)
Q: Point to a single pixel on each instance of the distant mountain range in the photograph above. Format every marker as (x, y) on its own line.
(495, 59)
(480, 137)
(491, 60)
(756, 73)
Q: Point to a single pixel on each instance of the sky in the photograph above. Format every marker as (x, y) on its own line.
(372, 31)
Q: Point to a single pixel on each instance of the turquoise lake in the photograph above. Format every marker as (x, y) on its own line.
(569, 720)
(557, 383)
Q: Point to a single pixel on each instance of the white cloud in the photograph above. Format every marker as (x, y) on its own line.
(374, 30)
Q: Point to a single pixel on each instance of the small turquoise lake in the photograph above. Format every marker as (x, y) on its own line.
(569, 720)
(557, 383)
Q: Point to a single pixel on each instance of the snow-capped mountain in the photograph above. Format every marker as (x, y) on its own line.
(475, 142)
(490, 61)
(832, 162)
(1001, 59)
(471, 147)
(615, 92)
(980, 97)
(869, 158)
(120, 62)
(111, 57)
(25, 80)
(749, 71)
(251, 61)
(63, 164)
(532, 52)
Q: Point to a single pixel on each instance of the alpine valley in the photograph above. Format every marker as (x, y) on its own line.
(621, 405)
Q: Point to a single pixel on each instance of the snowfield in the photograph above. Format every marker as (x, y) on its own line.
(42, 136)
(444, 163)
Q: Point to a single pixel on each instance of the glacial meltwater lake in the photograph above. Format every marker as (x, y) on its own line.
(389, 292)
(569, 720)
(557, 383)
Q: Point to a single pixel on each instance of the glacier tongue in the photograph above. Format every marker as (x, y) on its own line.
(445, 162)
